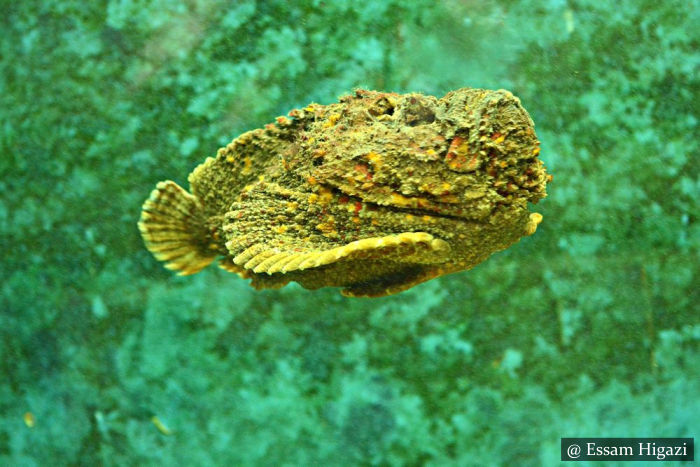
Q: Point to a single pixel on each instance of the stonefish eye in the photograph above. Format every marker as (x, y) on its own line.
(417, 110)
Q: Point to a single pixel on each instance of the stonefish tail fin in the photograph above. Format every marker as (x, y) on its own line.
(173, 227)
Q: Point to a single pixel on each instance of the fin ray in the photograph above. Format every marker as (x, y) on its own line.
(173, 227)
(416, 247)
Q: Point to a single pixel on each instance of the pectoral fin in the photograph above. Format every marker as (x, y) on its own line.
(407, 247)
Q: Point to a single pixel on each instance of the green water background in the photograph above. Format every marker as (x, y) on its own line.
(588, 328)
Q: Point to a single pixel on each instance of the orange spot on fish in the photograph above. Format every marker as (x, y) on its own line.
(282, 120)
(364, 170)
(457, 155)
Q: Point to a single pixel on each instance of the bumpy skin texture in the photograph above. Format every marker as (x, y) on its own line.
(376, 193)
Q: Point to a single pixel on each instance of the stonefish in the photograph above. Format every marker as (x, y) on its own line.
(375, 194)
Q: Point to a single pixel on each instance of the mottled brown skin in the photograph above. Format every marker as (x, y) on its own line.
(376, 193)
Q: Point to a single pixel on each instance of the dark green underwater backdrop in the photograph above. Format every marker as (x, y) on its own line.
(588, 328)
